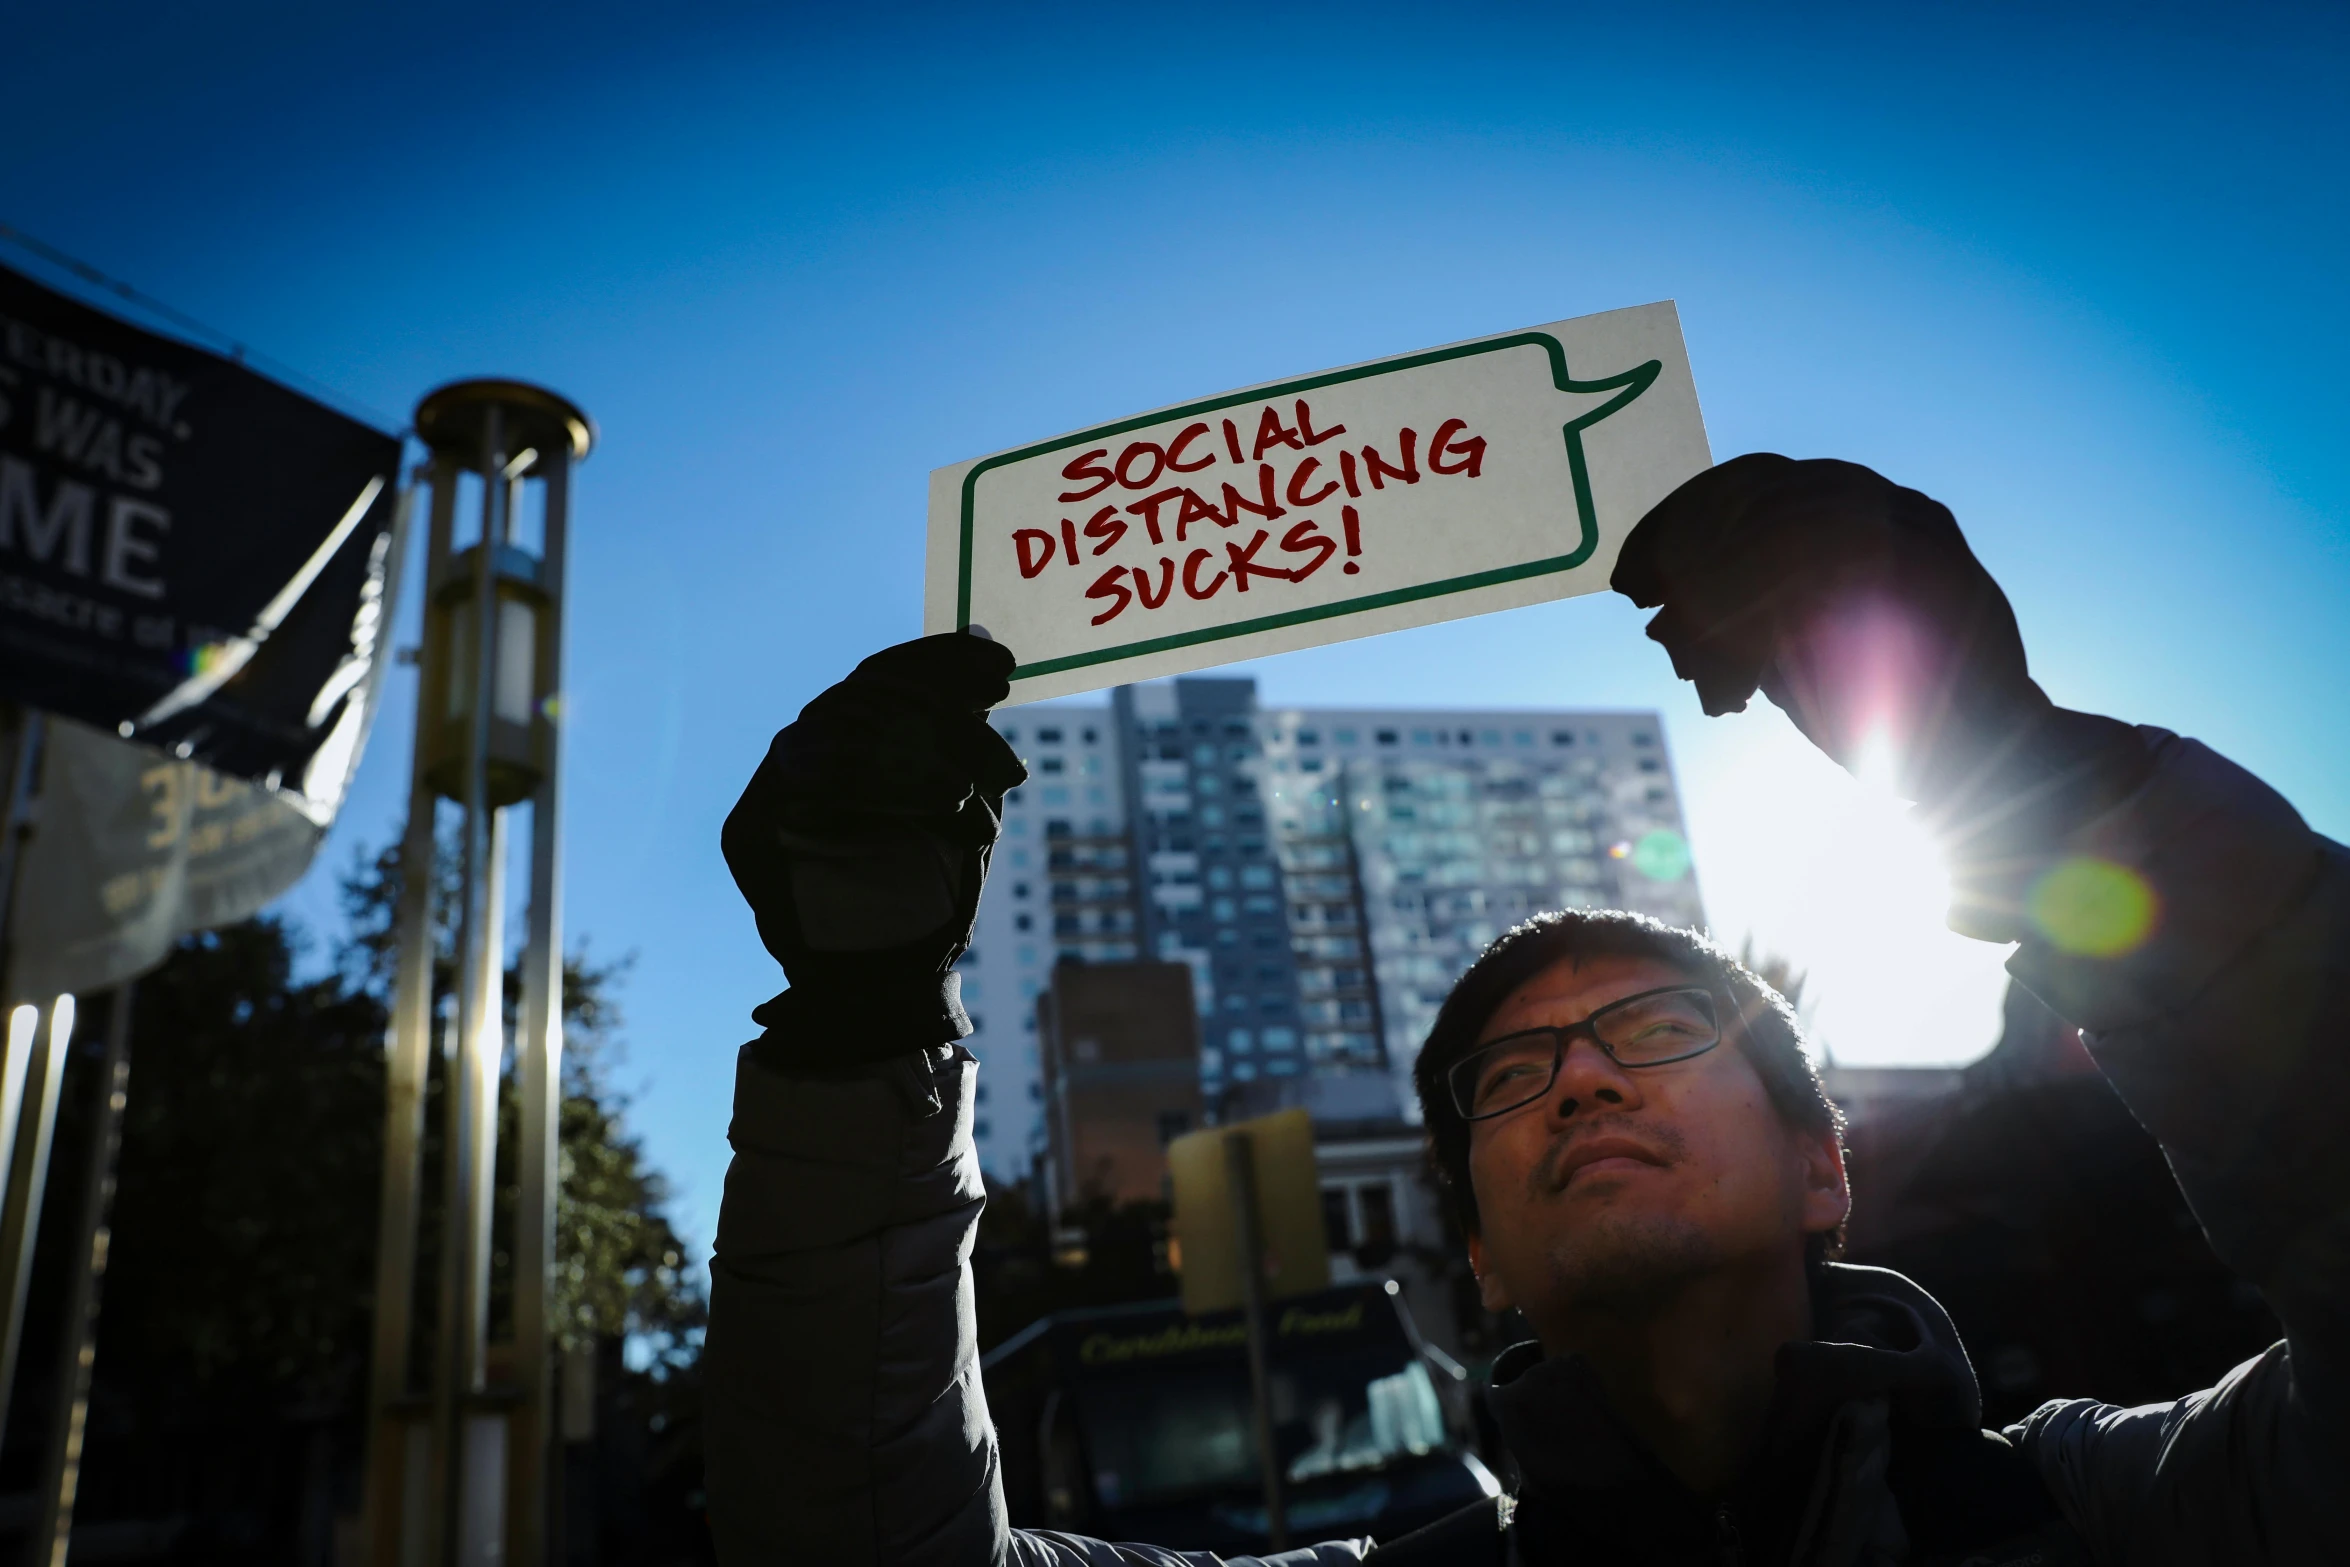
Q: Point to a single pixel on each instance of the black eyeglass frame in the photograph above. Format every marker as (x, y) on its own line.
(1562, 1038)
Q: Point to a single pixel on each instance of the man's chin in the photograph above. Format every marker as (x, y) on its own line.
(1618, 1258)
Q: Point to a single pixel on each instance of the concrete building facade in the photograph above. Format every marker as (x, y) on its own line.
(1119, 1048)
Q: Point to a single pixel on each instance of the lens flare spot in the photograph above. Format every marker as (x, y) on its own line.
(2092, 907)
(1662, 855)
(201, 659)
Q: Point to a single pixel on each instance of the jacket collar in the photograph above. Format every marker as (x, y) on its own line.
(1879, 1336)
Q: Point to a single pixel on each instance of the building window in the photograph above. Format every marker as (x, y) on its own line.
(1387, 737)
(1050, 764)
(1308, 737)
(1376, 1201)
(1337, 1225)
(1345, 736)
(1048, 737)
(1562, 737)
(1644, 738)
(1280, 1039)
(1022, 922)
(981, 1130)
(1240, 1041)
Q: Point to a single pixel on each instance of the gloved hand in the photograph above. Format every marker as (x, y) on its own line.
(1856, 606)
(861, 845)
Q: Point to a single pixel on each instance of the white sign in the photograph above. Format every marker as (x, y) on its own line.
(1489, 474)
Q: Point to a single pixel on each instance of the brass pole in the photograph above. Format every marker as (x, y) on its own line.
(539, 1076)
(28, 1176)
(61, 1476)
(395, 1491)
(473, 1122)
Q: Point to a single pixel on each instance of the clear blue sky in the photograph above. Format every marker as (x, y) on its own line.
(2080, 278)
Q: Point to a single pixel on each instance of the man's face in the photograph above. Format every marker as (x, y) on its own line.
(1619, 1185)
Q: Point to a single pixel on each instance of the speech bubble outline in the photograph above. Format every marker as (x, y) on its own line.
(1628, 384)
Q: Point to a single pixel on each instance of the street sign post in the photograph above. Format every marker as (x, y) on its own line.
(1248, 1220)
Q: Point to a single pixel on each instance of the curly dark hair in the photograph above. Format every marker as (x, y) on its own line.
(1765, 1030)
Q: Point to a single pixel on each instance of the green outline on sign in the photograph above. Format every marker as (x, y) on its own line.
(1633, 381)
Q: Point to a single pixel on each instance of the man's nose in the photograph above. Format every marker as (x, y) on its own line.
(1591, 1079)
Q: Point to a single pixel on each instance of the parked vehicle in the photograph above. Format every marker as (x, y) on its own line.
(1133, 1422)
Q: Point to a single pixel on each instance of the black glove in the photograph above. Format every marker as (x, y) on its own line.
(1856, 606)
(861, 845)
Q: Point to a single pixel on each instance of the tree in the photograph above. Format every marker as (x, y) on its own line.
(227, 1405)
(620, 1268)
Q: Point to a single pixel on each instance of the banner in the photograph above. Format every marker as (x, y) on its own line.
(1479, 476)
(133, 850)
(191, 556)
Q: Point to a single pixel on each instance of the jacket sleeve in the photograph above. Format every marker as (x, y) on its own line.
(843, 1413)
(2226, 1030)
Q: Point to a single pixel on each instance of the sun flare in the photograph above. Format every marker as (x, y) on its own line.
(1832, 871)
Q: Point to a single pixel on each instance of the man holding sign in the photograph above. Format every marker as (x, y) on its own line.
(1707, 1384)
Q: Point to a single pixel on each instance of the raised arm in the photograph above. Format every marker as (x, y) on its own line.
(2165, 901)
(2226, 1029)
(844, 1417)
(845, 1420)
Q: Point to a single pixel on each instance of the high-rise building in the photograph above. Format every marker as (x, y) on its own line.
(1325, 874)
(1119, 1048)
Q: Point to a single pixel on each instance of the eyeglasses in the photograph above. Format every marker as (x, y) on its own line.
(1649, 1029)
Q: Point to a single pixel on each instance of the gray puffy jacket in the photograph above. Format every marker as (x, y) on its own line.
(846, 1423)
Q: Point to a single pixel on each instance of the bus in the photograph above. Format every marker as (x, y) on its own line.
(1134, 1422)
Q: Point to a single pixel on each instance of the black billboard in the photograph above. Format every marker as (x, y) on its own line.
(191, 555)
